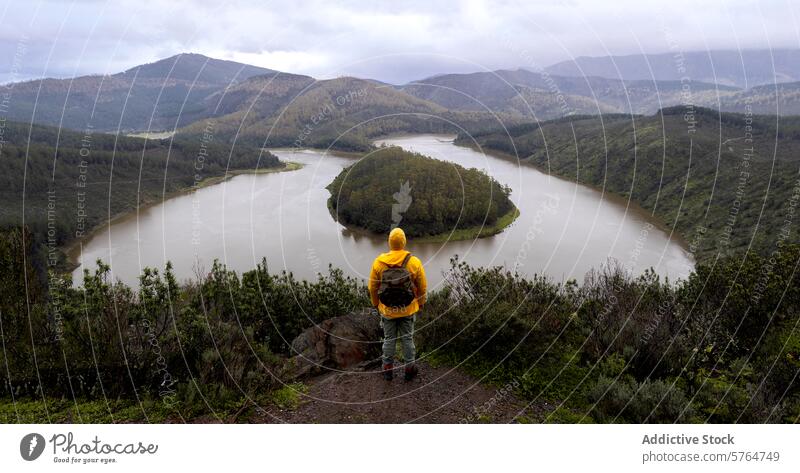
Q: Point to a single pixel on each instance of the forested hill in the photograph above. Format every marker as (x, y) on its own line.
(533, 95)
(430, 197)
(771, 99)
(703, 176)
(70, 182)
(262, 107)
(162, 95)
(344, 113)
(741, 68)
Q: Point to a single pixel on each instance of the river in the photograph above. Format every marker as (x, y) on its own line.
(564, 229)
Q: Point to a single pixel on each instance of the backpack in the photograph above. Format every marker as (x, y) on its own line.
(397, 286)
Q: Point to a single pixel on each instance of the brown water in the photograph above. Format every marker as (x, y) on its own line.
(564, 229)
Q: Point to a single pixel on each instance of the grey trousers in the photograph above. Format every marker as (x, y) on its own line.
(401, 328)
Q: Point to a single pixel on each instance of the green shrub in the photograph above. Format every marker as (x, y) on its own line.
(719, 347)
(626, 400)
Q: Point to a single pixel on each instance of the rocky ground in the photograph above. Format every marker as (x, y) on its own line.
(338, 365)
(437, 395)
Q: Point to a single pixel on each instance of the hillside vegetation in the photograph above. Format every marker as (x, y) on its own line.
(736, 67)
(265, 108)
(65, 183)
(425, 196)
(772, 99)
(721, 346)
(530, 95)
(344, 114)
(719, 190)
(162, 95)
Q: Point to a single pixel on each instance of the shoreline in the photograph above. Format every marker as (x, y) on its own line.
(449, 138)
(500, 225)
(629, 204)
(334, 152)
(71, 249)
(471, 233)
(457, 234)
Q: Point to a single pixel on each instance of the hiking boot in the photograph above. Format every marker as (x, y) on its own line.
(388, 373)
(411, 372)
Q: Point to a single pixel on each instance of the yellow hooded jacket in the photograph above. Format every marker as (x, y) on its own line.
(395, 257)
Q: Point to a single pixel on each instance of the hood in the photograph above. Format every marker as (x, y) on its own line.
(397, 239)
(393, 258)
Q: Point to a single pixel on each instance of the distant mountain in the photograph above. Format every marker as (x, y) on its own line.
(161, 95)
(241, 103)
(261, 106)
(520, 93)
(196, 67)
(528, 94)
(344, 113)
(773, 99)
(743, 69)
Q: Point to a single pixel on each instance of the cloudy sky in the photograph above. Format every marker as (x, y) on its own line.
(395, 41)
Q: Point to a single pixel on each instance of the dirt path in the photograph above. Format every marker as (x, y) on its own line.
(438, 395)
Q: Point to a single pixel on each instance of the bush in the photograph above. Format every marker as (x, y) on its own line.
(499, 315)
(627, 400)
(720, 347)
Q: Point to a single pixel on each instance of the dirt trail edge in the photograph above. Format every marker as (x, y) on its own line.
(437, 395)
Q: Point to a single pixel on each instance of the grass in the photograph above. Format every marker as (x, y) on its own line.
(289, 396)
(471, 233)
(546, 385)
(83, 411)
(124, 411)
(210, 181)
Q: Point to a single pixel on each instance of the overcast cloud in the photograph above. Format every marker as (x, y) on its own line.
(381, 40)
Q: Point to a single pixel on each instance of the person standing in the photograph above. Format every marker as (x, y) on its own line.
(397, 289)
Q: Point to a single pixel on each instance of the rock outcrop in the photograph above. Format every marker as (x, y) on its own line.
(338, 343)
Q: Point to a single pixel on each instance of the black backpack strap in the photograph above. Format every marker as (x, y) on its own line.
(405, 260)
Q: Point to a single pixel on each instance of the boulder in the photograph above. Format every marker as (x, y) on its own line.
(338, 343)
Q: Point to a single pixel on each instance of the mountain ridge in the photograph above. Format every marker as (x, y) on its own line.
(187, 91)
(539, 95)
(156, 96)
(744, 68)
